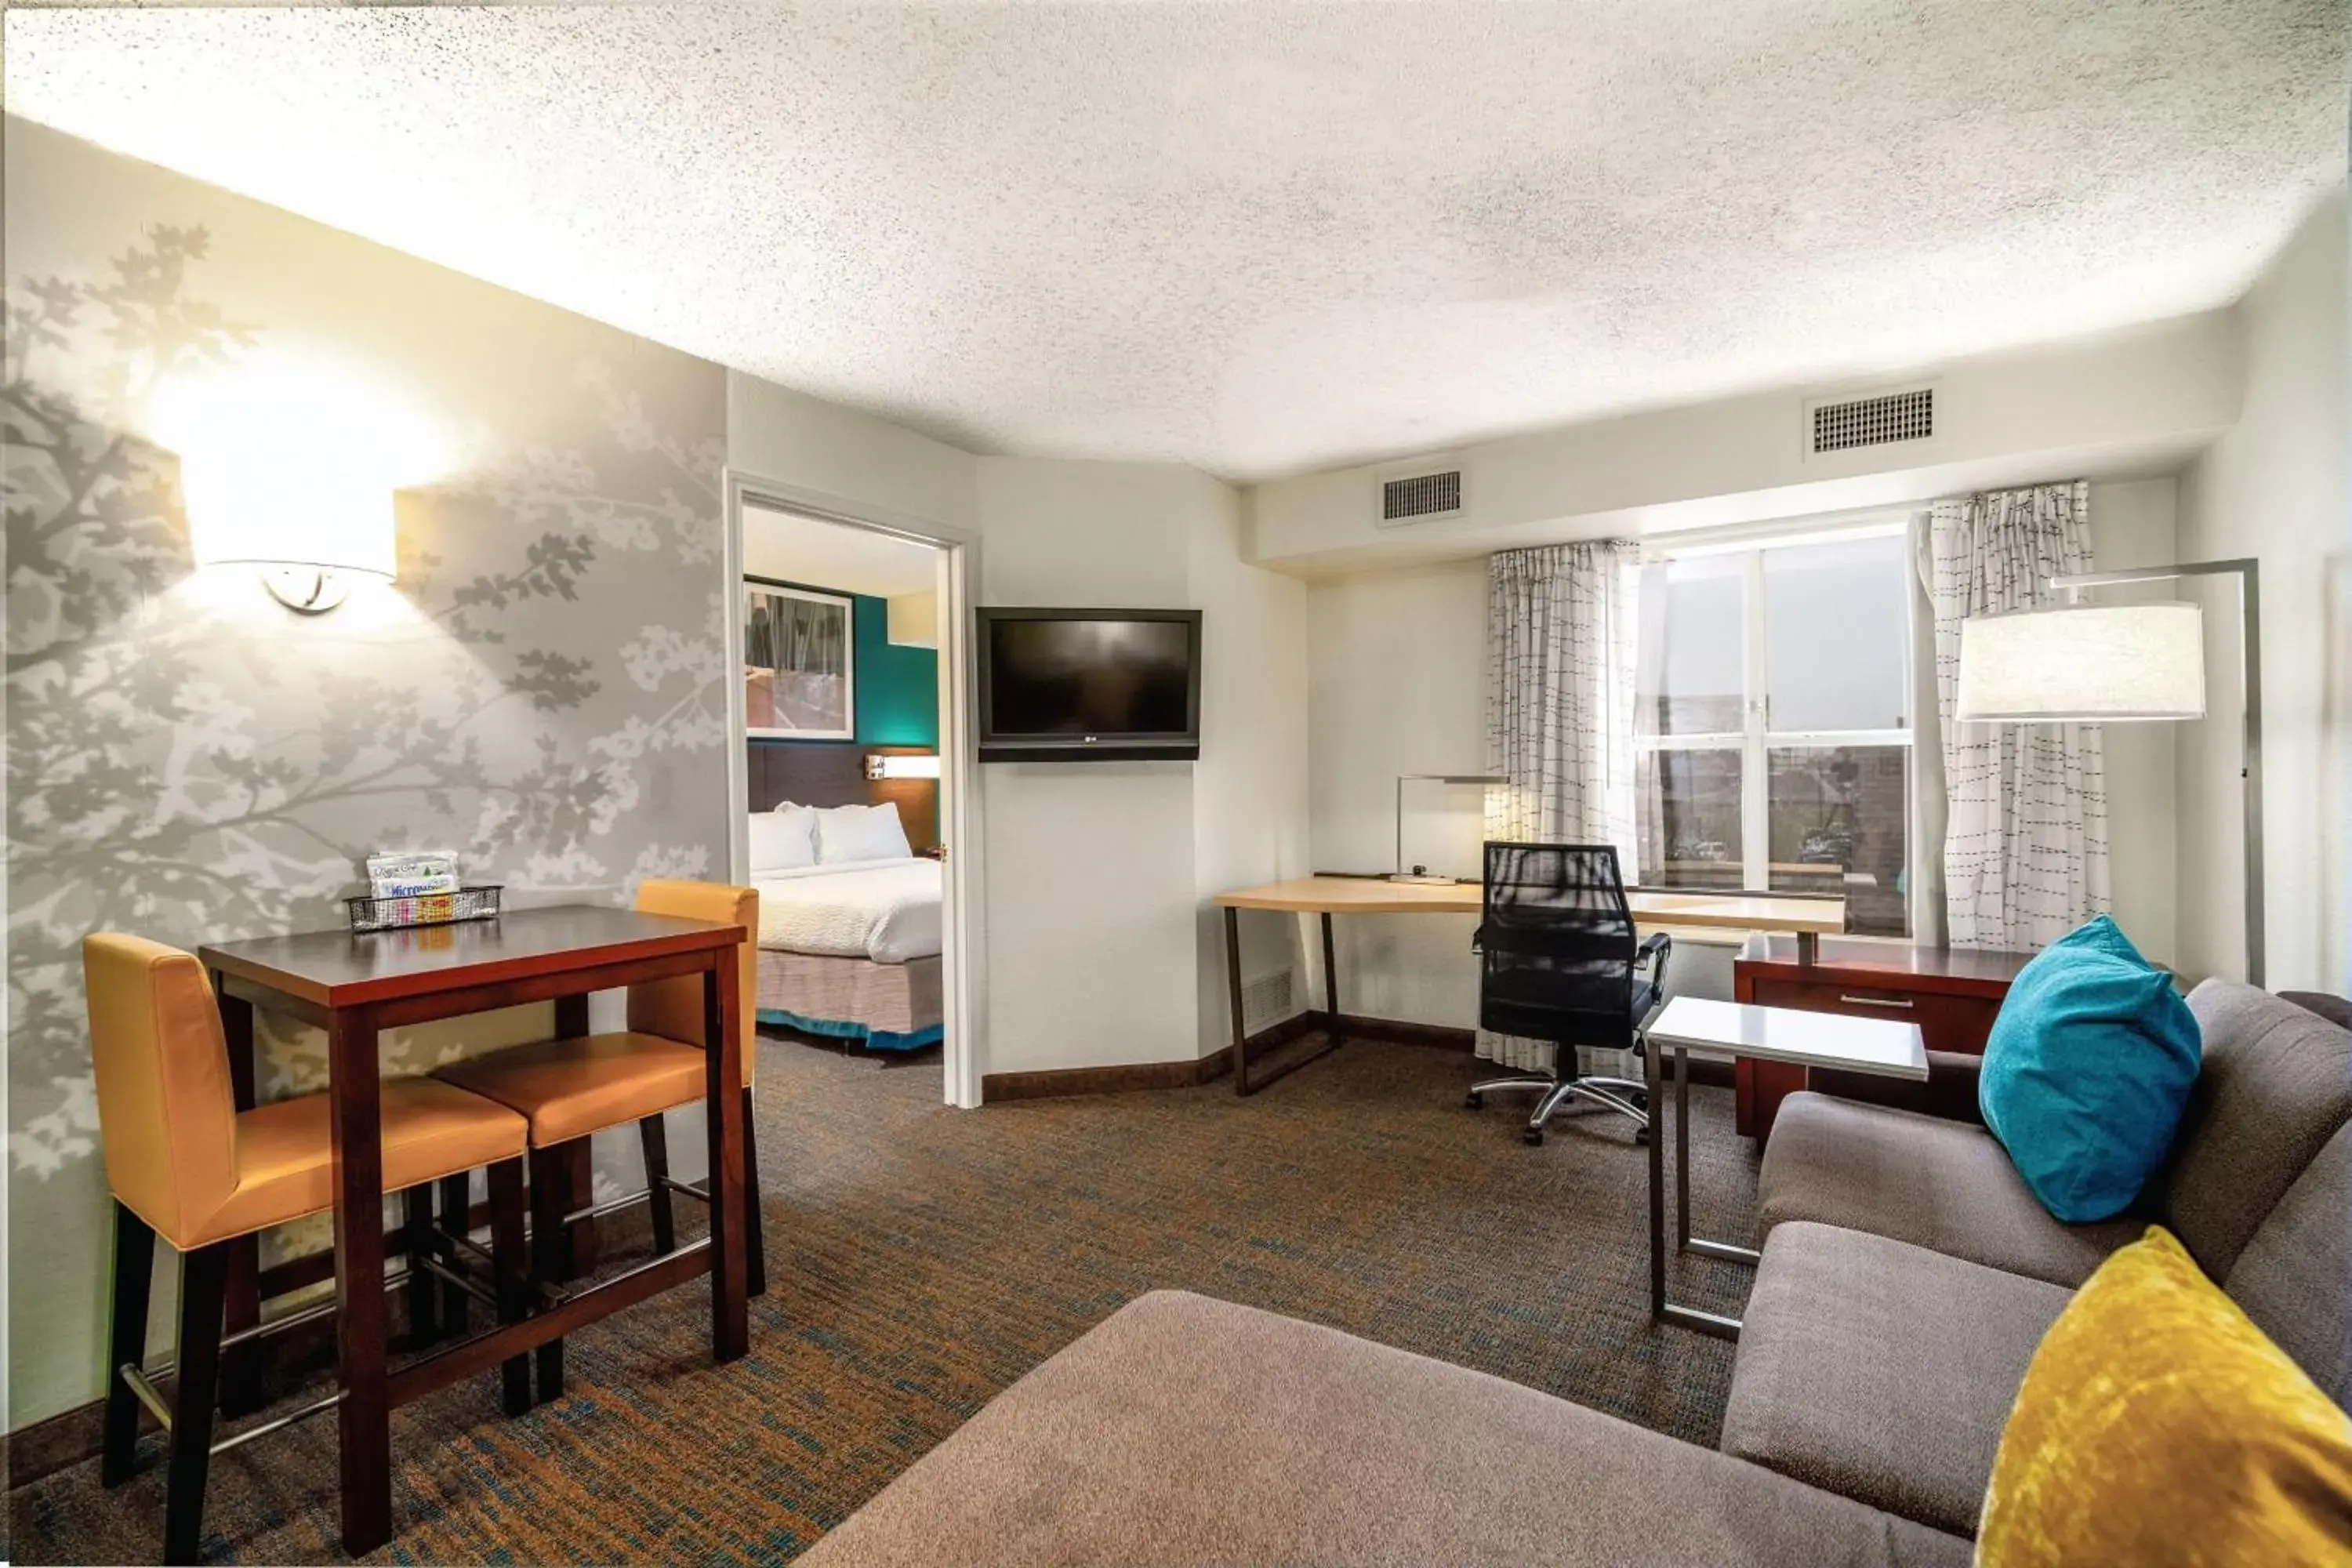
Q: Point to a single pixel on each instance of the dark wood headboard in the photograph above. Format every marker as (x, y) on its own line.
(820, 772)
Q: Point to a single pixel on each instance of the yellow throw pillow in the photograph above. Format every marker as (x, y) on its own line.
(2158, 1424)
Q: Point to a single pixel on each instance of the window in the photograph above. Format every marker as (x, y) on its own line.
(1773, 723)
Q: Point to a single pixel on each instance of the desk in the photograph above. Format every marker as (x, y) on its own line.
(1752, 1034)
(1326, 895)
(1953, 996)
(355, 987)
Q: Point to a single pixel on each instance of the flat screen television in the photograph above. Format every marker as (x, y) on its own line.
(1073, 686)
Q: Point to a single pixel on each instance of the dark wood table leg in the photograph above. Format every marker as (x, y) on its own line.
(355, 1120)
(581, 1245)
(723, 1098)
(241, 1367)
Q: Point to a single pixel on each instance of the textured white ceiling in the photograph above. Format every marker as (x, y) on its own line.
(1266, 237)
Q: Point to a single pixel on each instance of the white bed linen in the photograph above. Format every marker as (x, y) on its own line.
(887, 910)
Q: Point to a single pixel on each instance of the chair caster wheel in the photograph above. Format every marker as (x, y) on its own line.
(1474, 1100)
(1533, 1137)
(1641, 1137)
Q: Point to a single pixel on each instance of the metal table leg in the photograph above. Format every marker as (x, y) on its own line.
(1661, 1309)
(1242, 1082)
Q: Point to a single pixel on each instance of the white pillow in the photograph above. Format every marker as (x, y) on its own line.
(846, 833)
(783, 841)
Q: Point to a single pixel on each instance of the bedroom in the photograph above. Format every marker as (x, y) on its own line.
(840, 741)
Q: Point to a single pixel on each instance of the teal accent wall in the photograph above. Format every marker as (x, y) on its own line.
(898, 687)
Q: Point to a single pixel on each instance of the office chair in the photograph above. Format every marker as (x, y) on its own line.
(1559, 962)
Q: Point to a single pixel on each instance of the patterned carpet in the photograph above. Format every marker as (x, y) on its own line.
(923, 1259)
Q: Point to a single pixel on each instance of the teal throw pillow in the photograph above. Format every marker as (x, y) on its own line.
(2086, 1072)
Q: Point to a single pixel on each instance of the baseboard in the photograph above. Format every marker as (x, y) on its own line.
(1053, 1083)
(1437, 1037)
(44, 1448)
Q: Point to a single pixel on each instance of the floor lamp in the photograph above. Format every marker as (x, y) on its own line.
(2098, 664)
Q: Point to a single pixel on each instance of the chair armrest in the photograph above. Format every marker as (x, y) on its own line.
(1654, 951)
(1950, 1093)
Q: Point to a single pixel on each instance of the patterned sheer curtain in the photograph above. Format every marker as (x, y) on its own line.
(1560, 711)
(2025, 827)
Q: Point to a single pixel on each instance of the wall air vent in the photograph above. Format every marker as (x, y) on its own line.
(1267, 1001)
(1849, 423)
(1420, 498)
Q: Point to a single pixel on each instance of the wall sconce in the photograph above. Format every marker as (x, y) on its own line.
(309, 571)
(879, 765)
(290, 468)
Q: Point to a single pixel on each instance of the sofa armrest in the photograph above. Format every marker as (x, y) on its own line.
(1950, 1091)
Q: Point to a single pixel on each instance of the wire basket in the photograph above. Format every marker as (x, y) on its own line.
(479, 903)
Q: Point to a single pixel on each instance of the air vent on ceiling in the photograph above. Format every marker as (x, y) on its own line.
(1854, 422)
(1419, 498)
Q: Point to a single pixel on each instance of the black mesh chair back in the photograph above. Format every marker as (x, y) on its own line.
(1557, 945)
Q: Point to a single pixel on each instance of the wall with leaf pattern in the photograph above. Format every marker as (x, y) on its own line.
(542, 689)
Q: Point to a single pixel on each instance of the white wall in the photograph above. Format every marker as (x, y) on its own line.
(2133, 525)
(2274, 487)
(1099, 873)
(1397, 664)
(1249, 788)
(775, 432)
(1396, 682)
(2121, 405)
(1094, 911)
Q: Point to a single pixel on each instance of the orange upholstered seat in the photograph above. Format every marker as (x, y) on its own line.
(430, 1131)
(184, 1164)
(570, 1088)
(181, 1157)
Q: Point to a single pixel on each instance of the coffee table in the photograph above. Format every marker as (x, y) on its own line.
(1761, 1034)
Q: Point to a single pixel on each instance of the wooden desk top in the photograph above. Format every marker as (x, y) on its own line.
(342, 968)
(1376, 895)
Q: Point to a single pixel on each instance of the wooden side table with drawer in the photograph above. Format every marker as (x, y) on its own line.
(1952, 994)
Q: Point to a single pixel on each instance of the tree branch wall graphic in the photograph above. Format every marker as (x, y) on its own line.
(546, 695)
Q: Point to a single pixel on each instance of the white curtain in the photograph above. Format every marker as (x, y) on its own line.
(1560, 711)
(2025, 828)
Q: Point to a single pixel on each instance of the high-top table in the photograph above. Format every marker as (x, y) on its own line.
(1326, 895)
(1757, 1034)
(355, 986)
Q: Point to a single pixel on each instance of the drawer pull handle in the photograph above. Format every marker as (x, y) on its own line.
(1877, 1001)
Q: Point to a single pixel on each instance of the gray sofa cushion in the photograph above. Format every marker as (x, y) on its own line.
(1187, 1430)
(2275, 1085)
(1882, 1371)
(2295, 1277)
(1946, 1185)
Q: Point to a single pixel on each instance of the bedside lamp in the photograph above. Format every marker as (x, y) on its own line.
(1420, 873)
(902, 765)
(2104, 664)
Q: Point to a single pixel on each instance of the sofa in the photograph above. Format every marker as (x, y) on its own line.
(1908, 1273)
(1905, 1279)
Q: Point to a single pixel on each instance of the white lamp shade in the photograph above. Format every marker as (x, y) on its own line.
(289, 462)
(2088, 663)
(248, 511)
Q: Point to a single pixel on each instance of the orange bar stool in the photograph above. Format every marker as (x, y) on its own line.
(574, 1088)
(185, 1164)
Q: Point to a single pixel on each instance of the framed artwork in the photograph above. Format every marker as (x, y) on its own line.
(799, 664)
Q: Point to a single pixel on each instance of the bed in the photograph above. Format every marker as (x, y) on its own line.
(849, 926)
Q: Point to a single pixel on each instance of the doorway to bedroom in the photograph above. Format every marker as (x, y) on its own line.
(844, 714)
